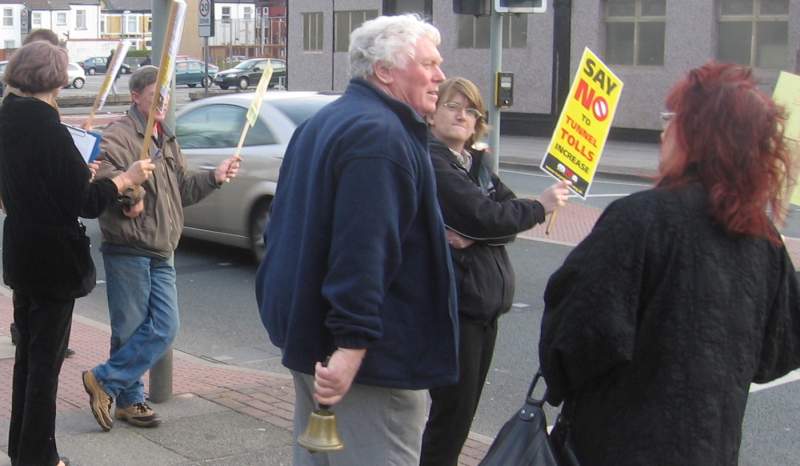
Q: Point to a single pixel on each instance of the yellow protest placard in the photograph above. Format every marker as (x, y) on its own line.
(172, 41)
(111, 72)
(255, 107)
(582, 129)
(787, 95)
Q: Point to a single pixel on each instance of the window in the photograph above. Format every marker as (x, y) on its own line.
(36, 20)
(635, 32)
(473, 31)
(346, 22)
(396, 7)
(103, 22)
(131, 24)
(9, 44)
(61, 19)
(8, 18)
(312, 31)
(248, 13)
(80, 19)
(754, 32)
(226, 14)
(218, 126)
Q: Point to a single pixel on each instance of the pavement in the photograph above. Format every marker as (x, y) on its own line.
(219, 414)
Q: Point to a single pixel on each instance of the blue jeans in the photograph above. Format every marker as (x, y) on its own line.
(143, 308)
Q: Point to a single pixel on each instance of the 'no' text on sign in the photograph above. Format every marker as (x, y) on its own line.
(582, 130)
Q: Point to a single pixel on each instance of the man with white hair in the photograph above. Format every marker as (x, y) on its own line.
(357, 267)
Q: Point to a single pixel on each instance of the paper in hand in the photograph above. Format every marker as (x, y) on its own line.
(87, 142)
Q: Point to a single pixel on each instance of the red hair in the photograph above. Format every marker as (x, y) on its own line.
(729, 137)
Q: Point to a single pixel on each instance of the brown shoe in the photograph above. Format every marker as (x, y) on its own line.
(138, 414)
(99, 401)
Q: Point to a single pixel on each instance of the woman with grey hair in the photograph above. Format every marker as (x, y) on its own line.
(45, 186)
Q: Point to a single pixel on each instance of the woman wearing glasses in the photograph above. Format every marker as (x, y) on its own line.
(682, 295)
(481, 215)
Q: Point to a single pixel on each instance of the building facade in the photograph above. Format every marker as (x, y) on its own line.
(648, 43)
(234, 23)
(127, 19)
(69, 19)
(11, 24)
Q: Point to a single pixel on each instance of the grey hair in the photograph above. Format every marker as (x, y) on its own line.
(387, 39)
(142, 77)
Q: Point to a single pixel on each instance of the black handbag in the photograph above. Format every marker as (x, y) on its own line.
(52, 261)
(523, 440)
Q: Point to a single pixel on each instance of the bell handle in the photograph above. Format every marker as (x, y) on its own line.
(324, 407)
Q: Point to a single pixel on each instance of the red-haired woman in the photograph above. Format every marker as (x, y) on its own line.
(682, 295)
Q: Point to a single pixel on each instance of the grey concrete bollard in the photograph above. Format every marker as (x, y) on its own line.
(161, 379)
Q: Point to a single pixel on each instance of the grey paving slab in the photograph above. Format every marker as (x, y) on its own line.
(185, 405)
(217, 436)
(119, 447)
(276, 457)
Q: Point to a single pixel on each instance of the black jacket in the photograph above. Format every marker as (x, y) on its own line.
(45, 187)
(656, 325)
(477, 205)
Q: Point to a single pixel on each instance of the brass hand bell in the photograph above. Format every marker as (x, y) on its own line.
(321, 434)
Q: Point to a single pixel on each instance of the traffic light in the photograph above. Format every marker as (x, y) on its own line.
(520, 6)
(471, 7)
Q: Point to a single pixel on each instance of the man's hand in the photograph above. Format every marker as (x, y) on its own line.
(227, 170)
(331, 383)
(134, 210)
(457, 241)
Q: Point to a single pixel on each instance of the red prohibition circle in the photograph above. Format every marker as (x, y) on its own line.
(600, 109)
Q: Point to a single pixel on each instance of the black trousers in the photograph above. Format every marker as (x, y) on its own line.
(43, 325)
(454, 406)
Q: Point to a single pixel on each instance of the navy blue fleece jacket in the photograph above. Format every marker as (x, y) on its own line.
(356, 253)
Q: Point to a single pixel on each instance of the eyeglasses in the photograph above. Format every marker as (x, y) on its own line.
(456, 107)
(666, 117)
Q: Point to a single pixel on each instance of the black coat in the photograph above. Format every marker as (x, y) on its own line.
(477, 205)
(656, 325)
(45, 186)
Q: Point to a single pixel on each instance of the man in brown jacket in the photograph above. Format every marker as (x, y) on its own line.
(139, 240)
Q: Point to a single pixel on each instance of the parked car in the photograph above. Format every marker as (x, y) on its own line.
(248, 73)
(95, 65)
(190, 72)
(77, 78)
(208, 131)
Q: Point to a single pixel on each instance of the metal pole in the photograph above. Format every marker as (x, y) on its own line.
(496, 51)
(161, 372)
(205, 58)
(562, 35)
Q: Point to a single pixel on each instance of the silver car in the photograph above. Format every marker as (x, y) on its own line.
(208, 131)
(77, 77)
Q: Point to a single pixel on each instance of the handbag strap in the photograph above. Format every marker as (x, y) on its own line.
(530, 398)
